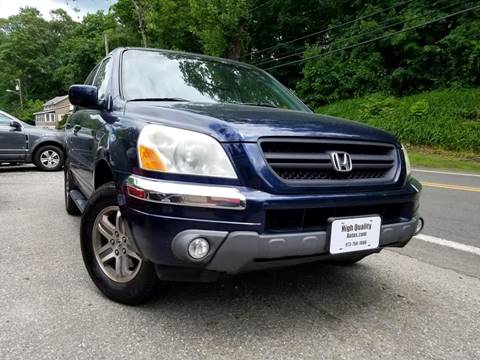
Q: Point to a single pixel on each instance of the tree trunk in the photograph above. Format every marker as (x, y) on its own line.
(234, 48)
(141, 22)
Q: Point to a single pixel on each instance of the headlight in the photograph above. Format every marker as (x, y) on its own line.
(171, 150)
(407, 161)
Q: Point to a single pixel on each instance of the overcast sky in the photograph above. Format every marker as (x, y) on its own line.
(11, 7)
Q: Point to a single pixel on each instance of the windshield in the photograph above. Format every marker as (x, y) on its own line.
(167, 76)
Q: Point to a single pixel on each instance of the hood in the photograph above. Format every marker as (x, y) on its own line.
(242, 123)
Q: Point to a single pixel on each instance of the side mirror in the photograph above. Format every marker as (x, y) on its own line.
(16, 125)
(84, 96)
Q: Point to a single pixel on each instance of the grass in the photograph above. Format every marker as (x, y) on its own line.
(446, 118)
(442, 159)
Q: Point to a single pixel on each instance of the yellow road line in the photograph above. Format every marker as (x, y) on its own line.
(450, 186)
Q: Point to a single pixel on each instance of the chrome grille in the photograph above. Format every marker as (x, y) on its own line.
(309, 160)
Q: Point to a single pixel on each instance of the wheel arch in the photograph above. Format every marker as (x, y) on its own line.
(102, 174)
(39, 145)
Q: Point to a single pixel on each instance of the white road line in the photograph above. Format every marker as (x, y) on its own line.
(447, 243)
(445, 172)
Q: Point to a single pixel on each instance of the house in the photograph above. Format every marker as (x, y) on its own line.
(53, 112)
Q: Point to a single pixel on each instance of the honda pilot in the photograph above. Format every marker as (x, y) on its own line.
(187, 167)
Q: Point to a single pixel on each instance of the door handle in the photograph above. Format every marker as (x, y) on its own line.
(76, 129)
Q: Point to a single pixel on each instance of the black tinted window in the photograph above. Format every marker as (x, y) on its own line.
(101, 80)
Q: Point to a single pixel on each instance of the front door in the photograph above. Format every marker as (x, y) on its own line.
(12, 141)
(86, 128)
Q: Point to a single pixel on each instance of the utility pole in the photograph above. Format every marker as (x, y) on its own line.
(105, 39)
(18, 87)
(18, 91)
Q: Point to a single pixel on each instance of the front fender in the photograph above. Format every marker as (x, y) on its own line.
(122, 145)
(35, 142)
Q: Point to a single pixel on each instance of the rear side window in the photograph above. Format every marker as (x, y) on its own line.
(101, 80)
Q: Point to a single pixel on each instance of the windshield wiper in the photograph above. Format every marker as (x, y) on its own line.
(160, 99)
(261, 104)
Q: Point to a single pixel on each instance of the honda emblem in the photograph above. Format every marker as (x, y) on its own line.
(341, 161)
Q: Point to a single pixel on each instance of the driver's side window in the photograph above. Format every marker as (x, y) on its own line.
(91, 76)
(4, 121)
(101, 80)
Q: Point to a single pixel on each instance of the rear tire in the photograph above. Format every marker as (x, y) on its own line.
(70, 205)
(49, 158)
(127, 279)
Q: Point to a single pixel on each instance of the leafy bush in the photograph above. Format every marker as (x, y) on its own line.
(447, 118)
(419, 109)
(376, 105)
(29, 107)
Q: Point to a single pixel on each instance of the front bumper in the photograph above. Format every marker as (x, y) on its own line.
(241, 251)
(165, 216)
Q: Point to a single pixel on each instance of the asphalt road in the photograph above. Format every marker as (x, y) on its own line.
(450, 205)
(420, 302)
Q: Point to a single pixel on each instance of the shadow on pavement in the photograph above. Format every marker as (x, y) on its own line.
(265, 303)
(17, 168)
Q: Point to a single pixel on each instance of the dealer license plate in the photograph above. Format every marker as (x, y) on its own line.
(354, 234)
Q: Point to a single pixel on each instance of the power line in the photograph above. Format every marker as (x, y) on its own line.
(262, 5)
(303, 47)
(289, 55)
(375, 39)
(329, 28)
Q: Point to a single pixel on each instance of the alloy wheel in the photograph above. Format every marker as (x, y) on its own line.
(112, 248)
(50, 159)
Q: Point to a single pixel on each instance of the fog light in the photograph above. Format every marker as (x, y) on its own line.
(198, 248)
(420, 224)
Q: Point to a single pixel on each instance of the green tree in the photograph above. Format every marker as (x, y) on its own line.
(220, 25)
(82, 49)
(50, 55)
(403, 60)
(27, 50)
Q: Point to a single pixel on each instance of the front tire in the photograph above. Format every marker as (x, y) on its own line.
(115, 267)
(49, 158)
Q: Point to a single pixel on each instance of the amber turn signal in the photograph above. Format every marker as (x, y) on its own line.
(150, 160)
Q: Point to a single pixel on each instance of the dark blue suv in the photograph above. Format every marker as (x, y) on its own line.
(188, 168)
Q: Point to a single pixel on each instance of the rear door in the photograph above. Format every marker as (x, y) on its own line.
(12, 141)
